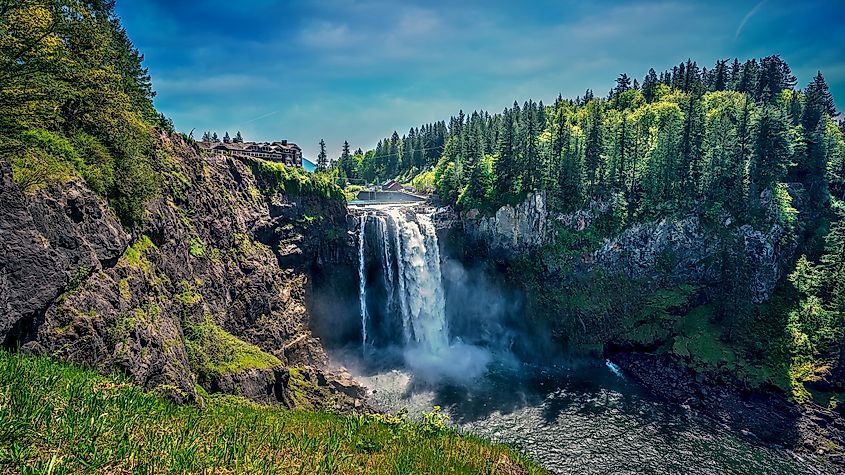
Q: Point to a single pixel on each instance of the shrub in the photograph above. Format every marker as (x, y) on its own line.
(293, 181)
(97, 164)
(40, 158)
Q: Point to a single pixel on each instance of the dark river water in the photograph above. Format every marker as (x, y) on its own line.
(586, 420)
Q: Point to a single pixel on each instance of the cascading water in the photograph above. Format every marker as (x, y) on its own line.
(362, 280)
(414, 292)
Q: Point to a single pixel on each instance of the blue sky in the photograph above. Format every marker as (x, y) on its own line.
(357, 70)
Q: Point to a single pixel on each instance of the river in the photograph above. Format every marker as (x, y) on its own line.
(585, 419)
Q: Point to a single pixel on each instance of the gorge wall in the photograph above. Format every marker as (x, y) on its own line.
(211, 293)
(680, 248)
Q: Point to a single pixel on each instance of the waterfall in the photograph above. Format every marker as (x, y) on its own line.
(362, 280)
(414, 292)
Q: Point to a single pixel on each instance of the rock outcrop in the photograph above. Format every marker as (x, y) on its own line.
(513, 229)
(683, 250)
(50, 242)
(218, 255)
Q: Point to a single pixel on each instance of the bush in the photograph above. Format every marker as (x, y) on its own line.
(40, 158)
(424, 182)
(97, 164)
(293, 181)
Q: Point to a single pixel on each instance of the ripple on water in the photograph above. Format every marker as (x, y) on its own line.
(588, 422)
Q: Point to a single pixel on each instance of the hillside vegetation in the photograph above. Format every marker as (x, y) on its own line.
(61, 419)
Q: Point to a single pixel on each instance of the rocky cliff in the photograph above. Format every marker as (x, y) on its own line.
(210, 292)
(682, 249)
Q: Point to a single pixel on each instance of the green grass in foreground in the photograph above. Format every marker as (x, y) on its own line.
(57, 418)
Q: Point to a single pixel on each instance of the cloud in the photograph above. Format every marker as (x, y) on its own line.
(263, 116)
(210, 84)
(748, 16)
(327, 35)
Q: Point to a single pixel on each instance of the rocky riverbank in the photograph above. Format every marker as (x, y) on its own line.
(766, 415)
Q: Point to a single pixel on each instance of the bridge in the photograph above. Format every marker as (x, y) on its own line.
(367, 197)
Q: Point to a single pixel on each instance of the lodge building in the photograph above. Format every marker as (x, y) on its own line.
(282, 152)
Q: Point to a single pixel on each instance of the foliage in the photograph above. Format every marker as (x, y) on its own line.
(61, 419)
(424, 182)
(278, 178)
(76, 101)
(136, 254)
(197, 247)
(212, 351)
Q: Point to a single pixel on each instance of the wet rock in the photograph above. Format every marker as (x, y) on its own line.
(767, 415)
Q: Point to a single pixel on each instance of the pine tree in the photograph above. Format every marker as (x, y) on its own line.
(238, 138)
(623, 83)
(771, 150)
(720, 76)
(322, 157)
(214, 137)
(226, 138)
(505, 165)
(650, 85)
(593, 148)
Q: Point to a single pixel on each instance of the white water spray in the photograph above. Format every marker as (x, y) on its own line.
(414, 296)
(362, 280)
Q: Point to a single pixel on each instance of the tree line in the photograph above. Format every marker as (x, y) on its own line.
(688, 137)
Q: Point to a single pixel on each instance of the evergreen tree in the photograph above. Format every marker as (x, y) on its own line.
(238, 138)
(623, 83)
(771, 150)
(322, 157)
(505, 166)
(650, 85)
(593, 147)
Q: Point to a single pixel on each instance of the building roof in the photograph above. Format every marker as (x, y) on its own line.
(278, 147)
(230, 146)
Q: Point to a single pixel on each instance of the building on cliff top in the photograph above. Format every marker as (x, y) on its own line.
(281, 152)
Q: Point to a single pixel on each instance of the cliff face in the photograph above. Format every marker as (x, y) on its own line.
(680, 249)
(210, 292)
(513, 229)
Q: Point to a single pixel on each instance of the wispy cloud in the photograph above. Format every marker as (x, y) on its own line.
(210, 84)
(748, 16)
(264, 116)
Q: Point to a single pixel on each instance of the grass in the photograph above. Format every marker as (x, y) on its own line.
(212, 351)
(58, 419)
